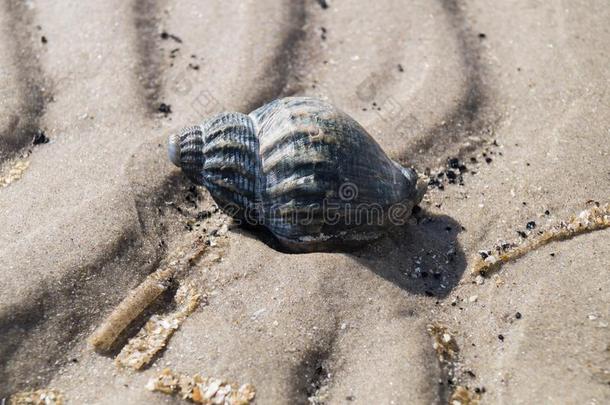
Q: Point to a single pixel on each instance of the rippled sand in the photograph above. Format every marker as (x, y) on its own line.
(517, 91)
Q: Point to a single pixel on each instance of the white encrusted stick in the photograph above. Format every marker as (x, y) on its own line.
(589, 220)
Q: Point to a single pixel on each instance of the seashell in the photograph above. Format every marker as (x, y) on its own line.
(303, 169)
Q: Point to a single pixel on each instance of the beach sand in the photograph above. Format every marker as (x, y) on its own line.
(517, 91)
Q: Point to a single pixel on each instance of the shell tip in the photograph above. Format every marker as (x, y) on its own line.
(420, 189)
(419, 186)
(173, 149)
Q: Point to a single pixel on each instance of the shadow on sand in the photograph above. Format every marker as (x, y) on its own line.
(423, 257)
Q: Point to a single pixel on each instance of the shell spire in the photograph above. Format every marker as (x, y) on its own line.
(222, 155)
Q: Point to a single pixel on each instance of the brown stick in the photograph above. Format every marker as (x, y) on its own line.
(138, 300)
(132, 306)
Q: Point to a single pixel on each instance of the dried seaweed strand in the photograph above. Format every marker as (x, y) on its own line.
(589, 220)
(202, 390)
(38, 397)
(138, 300)
(14, 173)
(153, 337)
(447, 351)
(463, 396)
(443, 342)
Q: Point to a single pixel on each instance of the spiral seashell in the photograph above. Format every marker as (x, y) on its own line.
(303, 169)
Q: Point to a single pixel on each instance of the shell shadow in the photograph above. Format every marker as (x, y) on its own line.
(422, 257)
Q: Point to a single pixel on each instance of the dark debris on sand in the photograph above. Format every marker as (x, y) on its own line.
(165, 108)
(452, 173)
(454, 170)
(165, 35)
(40, 137)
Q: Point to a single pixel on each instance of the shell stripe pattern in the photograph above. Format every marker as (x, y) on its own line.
(224, 151)
(286, 163)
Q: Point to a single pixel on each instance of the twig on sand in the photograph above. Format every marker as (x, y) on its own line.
(140, 298)
(589, 220)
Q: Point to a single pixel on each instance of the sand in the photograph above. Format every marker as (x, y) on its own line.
(521, 87)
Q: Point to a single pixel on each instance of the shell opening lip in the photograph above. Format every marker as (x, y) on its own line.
(173, 149)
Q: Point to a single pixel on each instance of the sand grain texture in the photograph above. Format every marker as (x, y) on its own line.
(99, 207)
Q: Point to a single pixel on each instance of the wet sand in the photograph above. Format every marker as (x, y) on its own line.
(517, 92)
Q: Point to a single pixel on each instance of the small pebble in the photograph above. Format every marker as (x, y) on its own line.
(256, 314)
(491, 259)
(518, 315)
(501, 337)
(165, 108)
(40, 137)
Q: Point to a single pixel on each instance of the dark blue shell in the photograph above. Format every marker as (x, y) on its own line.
(303, 169)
